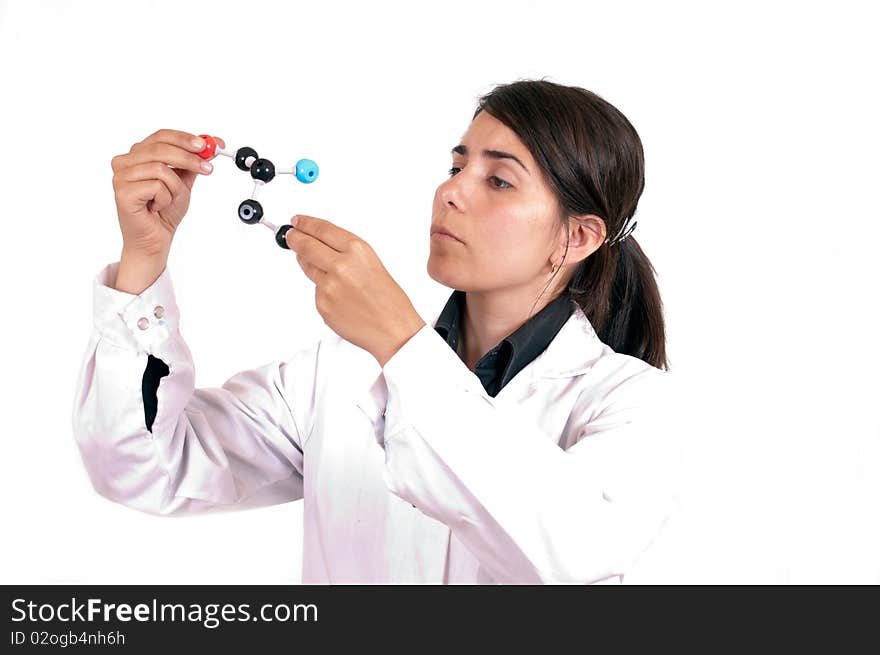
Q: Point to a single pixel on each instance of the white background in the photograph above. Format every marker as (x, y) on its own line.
(759, 122)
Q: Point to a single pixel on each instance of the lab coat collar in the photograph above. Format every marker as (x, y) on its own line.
(517, 349)
(573, 350)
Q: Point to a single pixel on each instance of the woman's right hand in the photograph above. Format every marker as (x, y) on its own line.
(152, 183)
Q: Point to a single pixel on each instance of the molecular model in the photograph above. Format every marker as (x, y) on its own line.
(263, 171)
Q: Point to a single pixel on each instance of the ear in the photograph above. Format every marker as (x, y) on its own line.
(586, 234)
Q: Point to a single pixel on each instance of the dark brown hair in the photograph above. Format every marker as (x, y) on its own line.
(592, 158)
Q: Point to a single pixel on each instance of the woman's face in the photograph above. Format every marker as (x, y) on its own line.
(503, 213)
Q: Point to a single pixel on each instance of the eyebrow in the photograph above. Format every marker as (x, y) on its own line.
(493, 154)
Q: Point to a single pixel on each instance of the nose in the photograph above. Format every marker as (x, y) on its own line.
(450, 193)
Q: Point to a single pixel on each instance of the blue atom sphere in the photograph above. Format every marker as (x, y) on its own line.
(306, 171)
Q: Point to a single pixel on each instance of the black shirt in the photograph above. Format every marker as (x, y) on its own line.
(499, 366)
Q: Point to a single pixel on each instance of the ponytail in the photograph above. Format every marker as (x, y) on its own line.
(617, 290)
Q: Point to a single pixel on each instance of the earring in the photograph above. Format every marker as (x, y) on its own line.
(554, 267)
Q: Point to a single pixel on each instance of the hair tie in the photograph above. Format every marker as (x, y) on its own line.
(626, 231)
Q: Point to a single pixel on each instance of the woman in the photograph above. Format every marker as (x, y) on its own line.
(517, 437)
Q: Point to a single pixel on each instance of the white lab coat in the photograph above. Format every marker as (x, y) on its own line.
(409, 474)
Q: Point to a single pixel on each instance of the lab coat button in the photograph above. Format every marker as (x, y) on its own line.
(159, 312)
(143, 323)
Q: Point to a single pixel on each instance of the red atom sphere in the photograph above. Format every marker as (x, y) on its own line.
(210, 146)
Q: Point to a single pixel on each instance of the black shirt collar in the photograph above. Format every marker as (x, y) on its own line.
(499, 366)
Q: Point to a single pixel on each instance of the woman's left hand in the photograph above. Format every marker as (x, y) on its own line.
(355, 295)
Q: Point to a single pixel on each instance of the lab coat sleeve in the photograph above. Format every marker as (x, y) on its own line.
(528, 509)
(211, 449)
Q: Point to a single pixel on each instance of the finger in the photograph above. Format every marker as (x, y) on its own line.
(151, 171)
(189, 177)
(184, 140)
(332, 235)
(162, 200)
(311, 250)
(152, 194)
(312, 272)
(166, 153)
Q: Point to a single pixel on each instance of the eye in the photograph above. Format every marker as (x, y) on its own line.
(495, 181)
(499, 183)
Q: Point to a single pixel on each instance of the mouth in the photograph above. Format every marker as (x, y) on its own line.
(441, 234)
